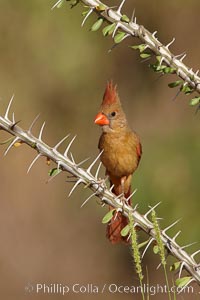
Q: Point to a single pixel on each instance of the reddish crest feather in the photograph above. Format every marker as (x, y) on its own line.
(110, 95)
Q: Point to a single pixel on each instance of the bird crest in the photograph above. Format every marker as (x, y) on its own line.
(110, 95)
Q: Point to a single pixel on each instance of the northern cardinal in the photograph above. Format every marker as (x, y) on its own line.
(121, 154)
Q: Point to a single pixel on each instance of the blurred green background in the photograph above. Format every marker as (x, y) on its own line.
(56, 68)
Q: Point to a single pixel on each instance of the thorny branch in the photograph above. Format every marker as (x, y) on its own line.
(65, 162)
(125, 27)
(133, 29)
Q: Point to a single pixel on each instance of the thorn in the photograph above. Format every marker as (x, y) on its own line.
(33, 123)
(116, 213)
(133, 15)
(111, 188)
(60, 142)
(195, 253)
(135, 225)
(151, 209)
(147, 246)
(55, 5)
(197, 72)
(135, 207)
(87, 199)
(120, 7)
(126, 35)
(74, 186)
(94, 162)
(159, 266)
(119, 196)
(129, 197)
(177, 94)
(170, 226)
(41, 131)
(58, 165)
(114, 46)
(35, 159)
(170, 43)
(154, 34)
(11, 144)
(83, 161)
(183, 57)
(14, 124)
(181, 269)
(72, 158)
(129, 236)
(186, 246)
(68, 147)
(176, 235)
(87, 16)
(161, 60)
(98, 169)
(13, 118)
(179, 55)
(114, 31)
(8, 108)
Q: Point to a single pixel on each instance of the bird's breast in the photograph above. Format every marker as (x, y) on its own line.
(120, 153)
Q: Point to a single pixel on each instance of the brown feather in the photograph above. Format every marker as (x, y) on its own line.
(110, 95)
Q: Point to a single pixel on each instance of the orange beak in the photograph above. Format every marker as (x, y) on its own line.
(101, 119)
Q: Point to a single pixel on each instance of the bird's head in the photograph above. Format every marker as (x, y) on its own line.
(111, 116)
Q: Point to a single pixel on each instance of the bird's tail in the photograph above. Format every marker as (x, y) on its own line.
(117, 223)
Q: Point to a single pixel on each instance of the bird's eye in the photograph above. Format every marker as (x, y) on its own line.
(113, 114)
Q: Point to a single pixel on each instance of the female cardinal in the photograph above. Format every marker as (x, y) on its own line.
(121, 154)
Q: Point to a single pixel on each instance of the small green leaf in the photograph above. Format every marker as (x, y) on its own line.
(168, 70)
(108, 29)
(157, 68)
(161, 68)
(119, 37)
(158, 57)
(140, 47)
(156, 249)
(125, 230)
(195, 101)
(54, 172)
(175, 83)
(97, 25)
(124, 18)
(175, 266)
(181, 282)
(108, 216)
(186, 89)
(145, 55)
